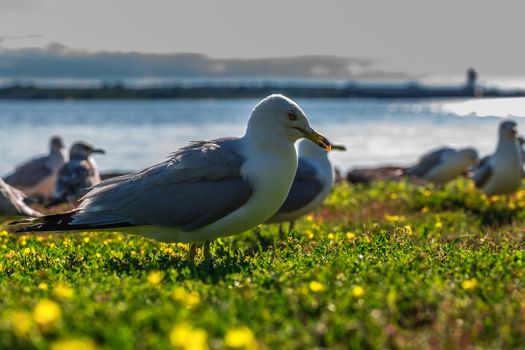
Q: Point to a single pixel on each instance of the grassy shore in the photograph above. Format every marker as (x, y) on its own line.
(392, 265)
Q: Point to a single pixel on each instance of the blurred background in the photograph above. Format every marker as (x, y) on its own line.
(390, 80)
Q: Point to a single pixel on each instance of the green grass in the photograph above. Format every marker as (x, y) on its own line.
(392, 265)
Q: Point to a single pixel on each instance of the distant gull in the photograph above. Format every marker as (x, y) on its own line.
(205, 190)
(37, 176)
(501, 172)
(78, 175)
(12, 202)
(444, 164)
(312, 183)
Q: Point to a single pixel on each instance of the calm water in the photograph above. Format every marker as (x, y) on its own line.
(139, 133)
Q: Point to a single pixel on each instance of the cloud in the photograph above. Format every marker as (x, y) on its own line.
(57, 61)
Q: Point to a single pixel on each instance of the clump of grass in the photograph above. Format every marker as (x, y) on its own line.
(392, 265)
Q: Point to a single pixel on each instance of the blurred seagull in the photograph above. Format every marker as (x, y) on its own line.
(312, 183)
(77, 175)
(501, 172)
(444, 164)
(12, 202)
(37, 176)
(205, 190)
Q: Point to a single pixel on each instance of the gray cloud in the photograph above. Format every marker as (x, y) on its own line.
(57, 61)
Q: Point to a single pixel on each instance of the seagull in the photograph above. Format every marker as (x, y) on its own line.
(77, 175)
(205, 190)
(444, 164)
(501, 172)
(12, 202)
(37, 176)
(312, 183)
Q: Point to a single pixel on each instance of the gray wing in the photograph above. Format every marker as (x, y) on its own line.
(12, 202)
(196, 186)
(305, 187)
(30, 173)
(482, 173)
(427, 162)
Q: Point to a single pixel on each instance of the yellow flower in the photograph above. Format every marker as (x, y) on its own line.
(394, 218)
(74, 344)
(408, 229)
(21, 322)
(188, 338)
(427, 193)
(47, 313)
(317, 287)
(3, 233)
(309, 218)
(154, 277)
(438, 225)
(424, 210)
(63, 291)
(190, 299)
(350, 235)
(27, 251)
(331, 235)
(240, 337)
(42, 286)
(469, 284)
(85, 239)
(358, 291)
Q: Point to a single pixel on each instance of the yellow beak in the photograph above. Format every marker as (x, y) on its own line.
(318, 139)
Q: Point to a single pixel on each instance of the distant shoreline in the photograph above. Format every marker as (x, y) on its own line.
(402, 91)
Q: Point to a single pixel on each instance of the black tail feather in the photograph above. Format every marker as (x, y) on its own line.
(59, 222)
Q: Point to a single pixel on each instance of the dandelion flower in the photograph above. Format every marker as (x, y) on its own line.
(63, 291)
(317, 287)
(154, 277)
(47, 313)
(358, 291)
(240, 337)
(469, 284)
(74, 344)
(188, 338)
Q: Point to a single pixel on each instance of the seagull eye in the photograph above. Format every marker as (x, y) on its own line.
(292, 116)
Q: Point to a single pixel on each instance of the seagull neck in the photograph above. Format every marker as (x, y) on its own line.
(268, 141)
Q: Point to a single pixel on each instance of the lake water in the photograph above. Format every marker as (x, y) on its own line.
(136, 134)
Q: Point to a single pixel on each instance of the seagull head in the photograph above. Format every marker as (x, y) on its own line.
(469, 155)
(279, 116)
(83, 150)
(508, 129)
(56, 143)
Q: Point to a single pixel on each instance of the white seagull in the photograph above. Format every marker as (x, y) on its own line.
(12, 202)
(205, 190)
(78, 175)
(444, 164)
(37, 176)
(501, 172)
(312, 183)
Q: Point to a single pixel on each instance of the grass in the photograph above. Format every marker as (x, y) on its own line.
(392, 265)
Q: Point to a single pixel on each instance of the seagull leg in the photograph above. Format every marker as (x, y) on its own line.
(208, 258)
(281, 231)
(192, 252)
(290, 228)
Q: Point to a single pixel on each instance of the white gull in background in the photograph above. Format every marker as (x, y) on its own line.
(78, 175)
(312, 183)
(37, 176)
(501, 172)
(12, 202)
(205, 190)
(444, 164)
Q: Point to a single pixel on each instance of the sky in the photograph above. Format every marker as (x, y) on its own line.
(369, 39)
